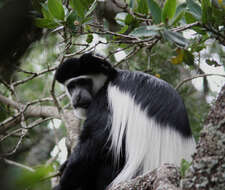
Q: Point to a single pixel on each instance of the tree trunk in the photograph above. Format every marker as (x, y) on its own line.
(208, 167)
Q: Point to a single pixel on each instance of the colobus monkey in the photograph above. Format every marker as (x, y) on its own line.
(134, 123)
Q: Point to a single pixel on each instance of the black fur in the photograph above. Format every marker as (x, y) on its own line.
(87, 64)
(158, 97)
(91, 165)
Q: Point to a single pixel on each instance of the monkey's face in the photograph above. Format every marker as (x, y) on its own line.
(82, 90)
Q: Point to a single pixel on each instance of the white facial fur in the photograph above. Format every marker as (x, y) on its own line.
(80, 113)
(98, 82)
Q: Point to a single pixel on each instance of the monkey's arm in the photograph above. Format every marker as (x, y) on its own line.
(76, 171)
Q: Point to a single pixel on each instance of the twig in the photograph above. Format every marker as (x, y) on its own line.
(24, 132)
(9, 102)
(38, 122)
(132, 53)
(18, 165)
(185, 27)
(33, 76)
(7, 122)
(7, 86)
(77, 52)
(52, 90)
(111, 53)
(51, 176)
(197, 76)
(10, 134)
(113, 33)
(48, 99)
(30, 110)
(138, 16)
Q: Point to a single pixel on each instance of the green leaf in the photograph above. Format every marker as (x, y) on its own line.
(184, 167)
(45, 23)
(132, 3)
(120, 18)
(189, 18)
(45, 12)
(56, 9)
(199, 43)
(129, 19)
(123, 29)
(142, 7)
(91, 9)
(194, 8)
(169, 10)
(181, 7)
(175, 37)
(198, 48)
(177, 18)
(178, 59)
(145, 31)
(36, 5)
(155, 11)
(206, 11)
(71, 19)
(212, 63)
(126, 19)
(188, 58)
(218, 15)
(79, 7)
(180, 12)
(89, 38)
(87, 28)
(28, 178)
(86, 20)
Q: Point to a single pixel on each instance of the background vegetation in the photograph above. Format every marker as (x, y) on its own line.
(176, 41)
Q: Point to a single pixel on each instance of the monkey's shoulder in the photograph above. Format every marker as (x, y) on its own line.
(139, 83)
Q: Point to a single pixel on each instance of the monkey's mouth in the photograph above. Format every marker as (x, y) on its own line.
(85, 106)
(80, 113)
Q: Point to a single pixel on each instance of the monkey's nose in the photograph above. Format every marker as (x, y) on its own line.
(75, 100)
(81, 102)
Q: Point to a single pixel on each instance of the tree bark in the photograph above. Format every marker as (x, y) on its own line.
(208, 166)
(38, 111)
(166, 177)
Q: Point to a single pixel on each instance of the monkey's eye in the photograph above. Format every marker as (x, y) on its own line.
(80, 83)
(71, 85)
(84, 82)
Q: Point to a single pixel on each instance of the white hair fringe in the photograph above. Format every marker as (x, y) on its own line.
(148, 144)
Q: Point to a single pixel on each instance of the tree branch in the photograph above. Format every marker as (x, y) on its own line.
(32, 111)
(19, 165)
(197, 76)
(163, 178)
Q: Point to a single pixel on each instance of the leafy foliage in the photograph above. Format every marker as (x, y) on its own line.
(184, 167)
(165, 40)
(155, 11)
(32, 179)
(169, 10)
